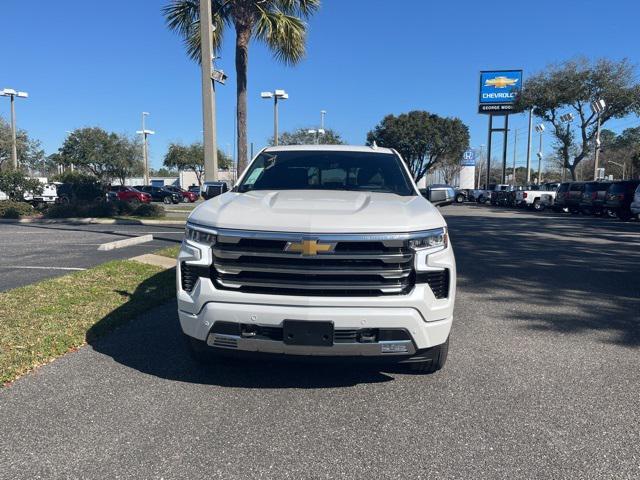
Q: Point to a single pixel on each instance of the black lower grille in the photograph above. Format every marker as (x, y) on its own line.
(437, 281)
(189, 275)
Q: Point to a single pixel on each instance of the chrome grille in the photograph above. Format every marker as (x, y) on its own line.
(353, 265)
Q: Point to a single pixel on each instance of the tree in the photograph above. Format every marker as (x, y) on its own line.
(30, 153)
(277, 23)
(450, 168)
(106, 155)
(163, 172)
(423, 139)
(571, 87)
(15, 184)
(301, 136)
(191, 157)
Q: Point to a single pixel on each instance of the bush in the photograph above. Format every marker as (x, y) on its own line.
(149, 210)
(12, 209)
(103, 208)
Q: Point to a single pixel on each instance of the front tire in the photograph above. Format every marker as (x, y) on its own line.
(185, 199)
(436, 358)
(459, 198)
(538, 206)
(166, 200)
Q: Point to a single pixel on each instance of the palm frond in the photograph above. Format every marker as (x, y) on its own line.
(298, 8)
(183, 17)
(284, 34)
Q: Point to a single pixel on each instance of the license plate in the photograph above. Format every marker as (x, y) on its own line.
(300, 332)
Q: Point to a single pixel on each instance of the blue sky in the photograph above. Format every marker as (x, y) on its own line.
(88, 63)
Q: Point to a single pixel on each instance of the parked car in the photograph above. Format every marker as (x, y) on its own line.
(49, 195)
(573, 197)
(484, 195)
(463, 195)
(593, 197)
(306, 259)
(127, 194)
(620, 195)
(213, 189)
(635, 205)
(558, 203)
(531, 196)
(187, 196)
(194, 189)
(160, 194)
(439, 194)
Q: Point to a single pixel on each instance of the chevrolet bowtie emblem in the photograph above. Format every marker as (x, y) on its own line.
(309, 247)
(500, 82)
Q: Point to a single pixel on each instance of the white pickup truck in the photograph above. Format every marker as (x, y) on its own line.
(532, 197)
(327, 251)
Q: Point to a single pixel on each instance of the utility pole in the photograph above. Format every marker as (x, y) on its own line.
(529, 146)
(597, 107)
(208, 93)
(12, 94)
(322, 114)
(145, 151)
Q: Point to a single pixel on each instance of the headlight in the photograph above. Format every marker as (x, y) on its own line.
(191, 233)
(432, 240)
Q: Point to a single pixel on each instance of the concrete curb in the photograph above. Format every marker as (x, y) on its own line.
(92, 221)
(157, 260)
(127, 242)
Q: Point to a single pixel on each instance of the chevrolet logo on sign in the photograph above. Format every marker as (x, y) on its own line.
(500, 82)
(309, 247)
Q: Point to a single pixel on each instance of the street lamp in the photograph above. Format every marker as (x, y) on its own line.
(567, 118)
(12, 94)
(276, 95)
(540, 130)
(322, 115)
(597, 107)
(145, 154)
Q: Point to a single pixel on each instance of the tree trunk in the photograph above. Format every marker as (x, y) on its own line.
(243, 35)
(572, 170)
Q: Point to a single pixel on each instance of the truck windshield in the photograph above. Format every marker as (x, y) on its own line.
(327, 170)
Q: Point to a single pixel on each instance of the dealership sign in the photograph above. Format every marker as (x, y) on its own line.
(499, 90)
(469, 158)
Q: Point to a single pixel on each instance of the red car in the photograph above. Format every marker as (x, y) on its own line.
(186, 195)
(129, 194)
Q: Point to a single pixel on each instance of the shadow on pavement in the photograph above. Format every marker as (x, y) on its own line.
(571, 274)
(153, 344)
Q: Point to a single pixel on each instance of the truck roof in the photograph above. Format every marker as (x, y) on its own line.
(325, 148)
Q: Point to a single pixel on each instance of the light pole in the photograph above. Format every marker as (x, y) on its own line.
(145, 153)
(567, 118)
(276, 95)
(322, 114)
(12, 94)
(540, 130)
(480, 166)
(597, 107)
(209, 78)
(515, 153)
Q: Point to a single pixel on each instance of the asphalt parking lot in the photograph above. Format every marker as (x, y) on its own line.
(33, 251)
(541, 382)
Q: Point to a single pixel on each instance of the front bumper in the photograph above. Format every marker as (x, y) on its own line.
(426, 319)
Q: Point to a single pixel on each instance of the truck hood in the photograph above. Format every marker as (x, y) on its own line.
(313, 211)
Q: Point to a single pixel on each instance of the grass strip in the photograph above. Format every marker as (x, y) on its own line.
(42, 321)
(171, 252)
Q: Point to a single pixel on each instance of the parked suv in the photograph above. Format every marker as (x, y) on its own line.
(213, 189)
(573, 196)
(593, 197)
(187, 196)
(160, 194)
(319, 251)
(559, 203)
(619, 198)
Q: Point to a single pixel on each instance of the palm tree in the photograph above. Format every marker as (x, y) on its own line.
(278, 23)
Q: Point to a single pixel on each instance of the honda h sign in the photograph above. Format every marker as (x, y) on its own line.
(499, 90)
(469, 158)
